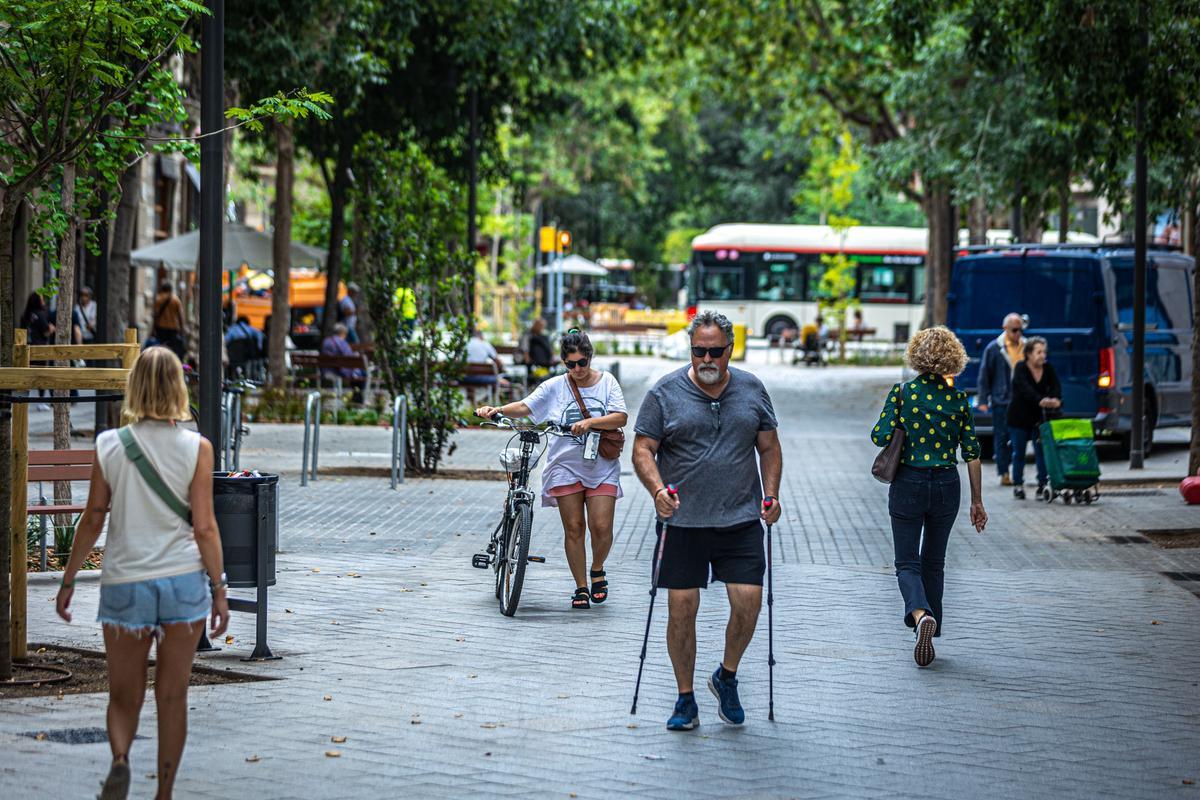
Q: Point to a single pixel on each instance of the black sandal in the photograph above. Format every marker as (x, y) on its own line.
(580, 598)
(599, 588)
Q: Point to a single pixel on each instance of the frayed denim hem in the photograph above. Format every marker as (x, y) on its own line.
(136, 631)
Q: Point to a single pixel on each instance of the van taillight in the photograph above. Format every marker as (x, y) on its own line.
(1107, 368)
(691, 313)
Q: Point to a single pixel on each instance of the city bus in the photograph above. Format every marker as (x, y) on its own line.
(767, 276)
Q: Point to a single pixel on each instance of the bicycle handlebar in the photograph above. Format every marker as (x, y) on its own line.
(552, 428)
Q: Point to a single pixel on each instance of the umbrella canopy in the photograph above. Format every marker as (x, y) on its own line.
(243, 245)
(575, 265)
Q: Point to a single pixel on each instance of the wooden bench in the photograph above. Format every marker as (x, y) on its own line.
(319, 363)
(46, 466)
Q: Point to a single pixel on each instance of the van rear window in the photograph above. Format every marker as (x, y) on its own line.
(1055, 292)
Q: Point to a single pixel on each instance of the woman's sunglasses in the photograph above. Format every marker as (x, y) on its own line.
(583, 362)
(713, 352)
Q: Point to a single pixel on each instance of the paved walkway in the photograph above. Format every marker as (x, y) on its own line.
(1068, 667)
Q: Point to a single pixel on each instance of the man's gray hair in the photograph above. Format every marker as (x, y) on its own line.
(714, 318)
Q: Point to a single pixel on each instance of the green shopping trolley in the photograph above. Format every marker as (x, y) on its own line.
(1069, 447)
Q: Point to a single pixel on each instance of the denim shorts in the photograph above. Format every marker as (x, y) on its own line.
(143, 607)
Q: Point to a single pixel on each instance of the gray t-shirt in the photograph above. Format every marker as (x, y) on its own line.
(707, 447)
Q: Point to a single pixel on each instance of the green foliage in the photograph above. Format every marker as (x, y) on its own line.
(411, 215)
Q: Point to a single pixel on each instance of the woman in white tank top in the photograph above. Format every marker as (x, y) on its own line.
(163, 575)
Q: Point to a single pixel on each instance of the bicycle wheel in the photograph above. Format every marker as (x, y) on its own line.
(516, 559)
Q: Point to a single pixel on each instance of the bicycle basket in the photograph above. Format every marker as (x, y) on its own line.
(510, 459)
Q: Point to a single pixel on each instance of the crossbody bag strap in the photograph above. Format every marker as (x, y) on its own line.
(578, 398)
(135, 454)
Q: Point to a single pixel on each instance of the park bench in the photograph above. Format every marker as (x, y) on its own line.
(320, 363)
(47, 466)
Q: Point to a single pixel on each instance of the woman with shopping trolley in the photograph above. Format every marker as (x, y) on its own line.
(583, 482)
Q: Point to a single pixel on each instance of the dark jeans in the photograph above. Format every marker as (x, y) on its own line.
(1001, 439)
(1020, 438)
(922, 500)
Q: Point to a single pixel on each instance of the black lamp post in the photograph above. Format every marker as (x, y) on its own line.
(212, 215)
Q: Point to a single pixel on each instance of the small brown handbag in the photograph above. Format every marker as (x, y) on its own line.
(611, 442)
(888, 460)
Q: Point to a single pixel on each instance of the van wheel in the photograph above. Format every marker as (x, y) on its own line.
(1149, 421)
(776, 326)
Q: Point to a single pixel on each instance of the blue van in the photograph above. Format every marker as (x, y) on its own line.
(1080, 299)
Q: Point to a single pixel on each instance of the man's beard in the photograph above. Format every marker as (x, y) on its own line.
(708, 375)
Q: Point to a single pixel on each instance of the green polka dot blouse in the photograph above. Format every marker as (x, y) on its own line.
(937, 419)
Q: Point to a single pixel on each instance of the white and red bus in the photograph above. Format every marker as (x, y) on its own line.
(767, 276)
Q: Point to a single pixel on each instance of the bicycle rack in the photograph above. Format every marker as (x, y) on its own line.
(399, 438)
(314, 399)
(231, 420)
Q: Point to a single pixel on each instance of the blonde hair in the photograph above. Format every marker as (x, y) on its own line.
(155, 388)
(936, 351)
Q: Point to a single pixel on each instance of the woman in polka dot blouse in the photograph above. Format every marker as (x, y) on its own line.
(925, 495)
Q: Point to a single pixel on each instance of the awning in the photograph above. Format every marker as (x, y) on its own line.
(242, 245)
(574, 265)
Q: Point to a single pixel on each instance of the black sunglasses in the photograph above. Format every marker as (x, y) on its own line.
(713, 352)
(583, 362)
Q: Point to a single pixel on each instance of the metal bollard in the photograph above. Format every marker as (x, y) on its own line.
(314, 399)
(399, 438)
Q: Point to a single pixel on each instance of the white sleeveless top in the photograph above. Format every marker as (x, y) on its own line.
(146, 539)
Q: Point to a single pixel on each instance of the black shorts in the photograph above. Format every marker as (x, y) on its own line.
(735, 555)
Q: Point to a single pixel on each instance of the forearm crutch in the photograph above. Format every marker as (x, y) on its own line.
(770, 627)
(662, 544)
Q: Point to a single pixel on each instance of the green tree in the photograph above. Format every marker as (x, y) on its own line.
(412, 227)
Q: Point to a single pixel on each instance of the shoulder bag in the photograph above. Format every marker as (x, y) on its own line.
(134, 451)
(888, 460)
(611, 442)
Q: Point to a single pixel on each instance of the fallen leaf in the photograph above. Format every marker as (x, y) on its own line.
(316, 569)
(488, 725)
(563, 696)
(460, 638)
(41, 737)
(373, 533)
(652, 757)
(572, 794)
(379, 609)
(1155, 622)
(328, 697)
(287, 611)
(472, 675)
(631, 726)
(1188, 782)
(229, 639)
(458, 716)
(333, 753)
(338, 739)
(406, 590)
(414, 722)
(423, 583)
(252, 759)
(152, 775)
(334, 622)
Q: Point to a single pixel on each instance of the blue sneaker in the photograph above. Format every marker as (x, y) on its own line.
(686, 716)
(730, 707)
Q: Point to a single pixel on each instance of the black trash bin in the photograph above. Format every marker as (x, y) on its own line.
(247, 508)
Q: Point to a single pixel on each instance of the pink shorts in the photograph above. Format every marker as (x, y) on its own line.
(603, 490)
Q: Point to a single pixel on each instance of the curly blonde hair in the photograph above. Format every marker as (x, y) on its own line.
(936, 351)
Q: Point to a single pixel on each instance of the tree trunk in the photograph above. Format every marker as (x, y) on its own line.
(9, 204)
(1064, 210)
(1034, 219)
(940, 215)
(64, 328)
(119, 309)
(337, 234)
(977, 220)
(1194, 451)
(281, 317)
(366, 323)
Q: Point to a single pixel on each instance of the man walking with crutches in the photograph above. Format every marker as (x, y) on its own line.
(700, 428)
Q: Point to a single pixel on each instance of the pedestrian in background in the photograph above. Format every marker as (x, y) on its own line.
(584, 491)
(87, 308)
(924, 497)
(711, 431)
(167, 321)
(37, 321)
(154, 587)
(1037, 396)
(1000, 357)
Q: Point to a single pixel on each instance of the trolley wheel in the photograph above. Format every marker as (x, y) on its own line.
(1067, 498)
(1087, 497)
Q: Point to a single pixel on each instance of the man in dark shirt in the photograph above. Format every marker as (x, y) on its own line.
(701, 428)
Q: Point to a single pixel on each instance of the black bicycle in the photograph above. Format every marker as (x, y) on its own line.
(508, 551)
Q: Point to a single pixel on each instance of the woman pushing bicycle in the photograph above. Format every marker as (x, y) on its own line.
(581, 482)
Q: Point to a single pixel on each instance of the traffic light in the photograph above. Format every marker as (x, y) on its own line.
(564, 241)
